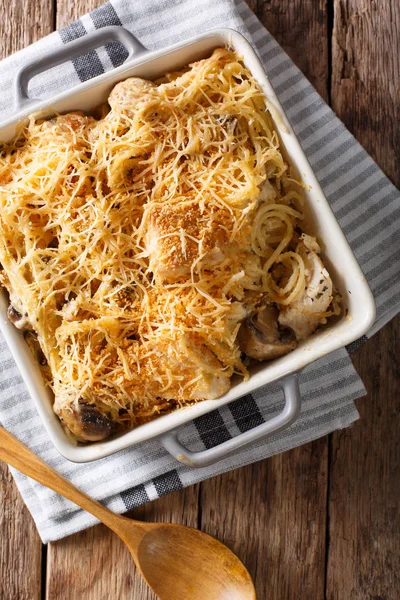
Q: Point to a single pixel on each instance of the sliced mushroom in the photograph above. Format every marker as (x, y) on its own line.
(308, 310)
(260, 336)
(20, 321)
(86, 422)
(31, 339)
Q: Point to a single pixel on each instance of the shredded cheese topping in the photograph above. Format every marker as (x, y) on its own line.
(136, 243)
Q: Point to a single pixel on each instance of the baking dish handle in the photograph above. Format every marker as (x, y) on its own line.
(289, 414)
(74, 49)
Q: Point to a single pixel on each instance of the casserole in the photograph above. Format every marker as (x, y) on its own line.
(319, 219)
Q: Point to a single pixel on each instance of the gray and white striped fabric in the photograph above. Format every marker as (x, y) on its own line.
(363, 199)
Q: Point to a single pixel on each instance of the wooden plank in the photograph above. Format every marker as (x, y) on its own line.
(301, 28)
(272, 514)
(366, 76)
(21, 25)
(364, 506)
(68, 11)
(20, 545)
(95, 565)
(92, 564)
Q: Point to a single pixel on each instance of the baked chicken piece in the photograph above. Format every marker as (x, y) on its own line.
(180, 237)
(308, 310)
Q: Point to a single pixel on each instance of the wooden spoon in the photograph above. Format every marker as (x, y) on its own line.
(177, 562)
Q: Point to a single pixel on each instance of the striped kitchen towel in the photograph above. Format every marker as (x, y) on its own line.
(363, 199)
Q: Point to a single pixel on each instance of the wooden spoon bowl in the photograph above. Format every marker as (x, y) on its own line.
(177, 562)
(181, 562)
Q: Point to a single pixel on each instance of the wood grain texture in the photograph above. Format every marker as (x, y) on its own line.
(301, 28)
(89, 565)
(20, 545)
(366, 76)
(364, 505)
(24, 22)
(272, 515)
(364, 502)
(68, 11)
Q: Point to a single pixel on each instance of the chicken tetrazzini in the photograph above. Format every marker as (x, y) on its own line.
(149, 253)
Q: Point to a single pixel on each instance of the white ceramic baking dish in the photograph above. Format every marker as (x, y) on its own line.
(358, 304)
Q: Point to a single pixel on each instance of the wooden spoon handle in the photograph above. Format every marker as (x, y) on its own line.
(17, 455)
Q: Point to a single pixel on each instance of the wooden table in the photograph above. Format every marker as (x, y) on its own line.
(318, 522)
